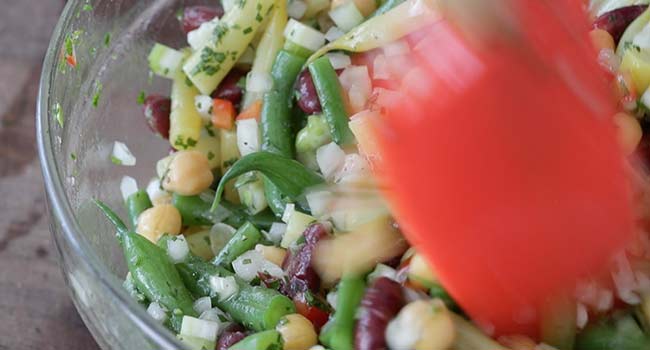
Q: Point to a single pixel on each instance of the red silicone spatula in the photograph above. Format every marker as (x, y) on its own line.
(502, 161)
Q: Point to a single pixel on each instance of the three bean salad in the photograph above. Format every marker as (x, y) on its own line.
(263, 228)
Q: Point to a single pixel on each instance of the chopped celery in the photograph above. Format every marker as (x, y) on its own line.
(251, 192)
(209, 65)
(314, 135)
(165, 61)
(199, 242)
(303, 35)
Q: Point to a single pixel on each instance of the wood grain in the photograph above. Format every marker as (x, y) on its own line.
(35, 309)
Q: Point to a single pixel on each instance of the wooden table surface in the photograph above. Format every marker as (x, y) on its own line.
(35, 309)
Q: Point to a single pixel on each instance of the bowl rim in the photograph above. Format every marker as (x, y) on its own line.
(60, 207)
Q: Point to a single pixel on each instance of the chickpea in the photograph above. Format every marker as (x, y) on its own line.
(297, 332)
(629, 131)
(601, 39)
(189, 173)
(156, 221)
(422, 325)
(273, 254)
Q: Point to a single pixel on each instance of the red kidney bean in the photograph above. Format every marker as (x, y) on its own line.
(616, 21)
(194, 16)
(308, 100)
(301, 276)
(228, 89)
(230, 336)
(156, 111)
(380, 303)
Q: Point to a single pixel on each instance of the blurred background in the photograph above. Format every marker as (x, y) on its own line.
(35, 310)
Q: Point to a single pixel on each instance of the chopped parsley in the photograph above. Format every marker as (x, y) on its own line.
(210, 155)
(116, 160)
(229, 162)
(219, 31)
(241, 83)
(247, 261)
(142, 96)
(188, 82)
(209, 130)
(98, 93)
(87, 7)
(73, 156)
(179, 143)
(57, 112)
(210, 61)
(107, 39)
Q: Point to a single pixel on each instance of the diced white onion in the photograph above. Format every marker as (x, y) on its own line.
(317, 347)
(155, 191)
(220, 234)
(288, 211)
(228, 5)
(380, 68)
(401, 332)
(276, 232)
(220, 214)
(296, 9)
(303, 35)
(203, 104)
(202, 35)
(128, 186)
(177, 249)
(163, 165)
(249, 264)
(122, 154)
(382, 270)
(642, 39)
(624, 280)
(355, 168)
(333, 33)
(346, 16)
(332, 298)
(248, 136)
(195, 327)
(581, 316)
(319, 202)
(202, 304)
(339, 60)
(215, 315)
(396, 48)
(330, 159)
(259, 82)
(356, 81)
(157, 312)
(224, 287)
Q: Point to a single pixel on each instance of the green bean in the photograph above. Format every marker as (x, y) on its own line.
(385, 7)
(196, 212)
(289, 176)
(615, 332)
(267, 340)
(136, 203)
(277, 130)
(330, 96)
(152, 272)
(276, 118)
(246, 237)
(256, 307)
(338, 332)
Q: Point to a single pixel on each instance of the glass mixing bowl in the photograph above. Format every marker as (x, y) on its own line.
(81, 111)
